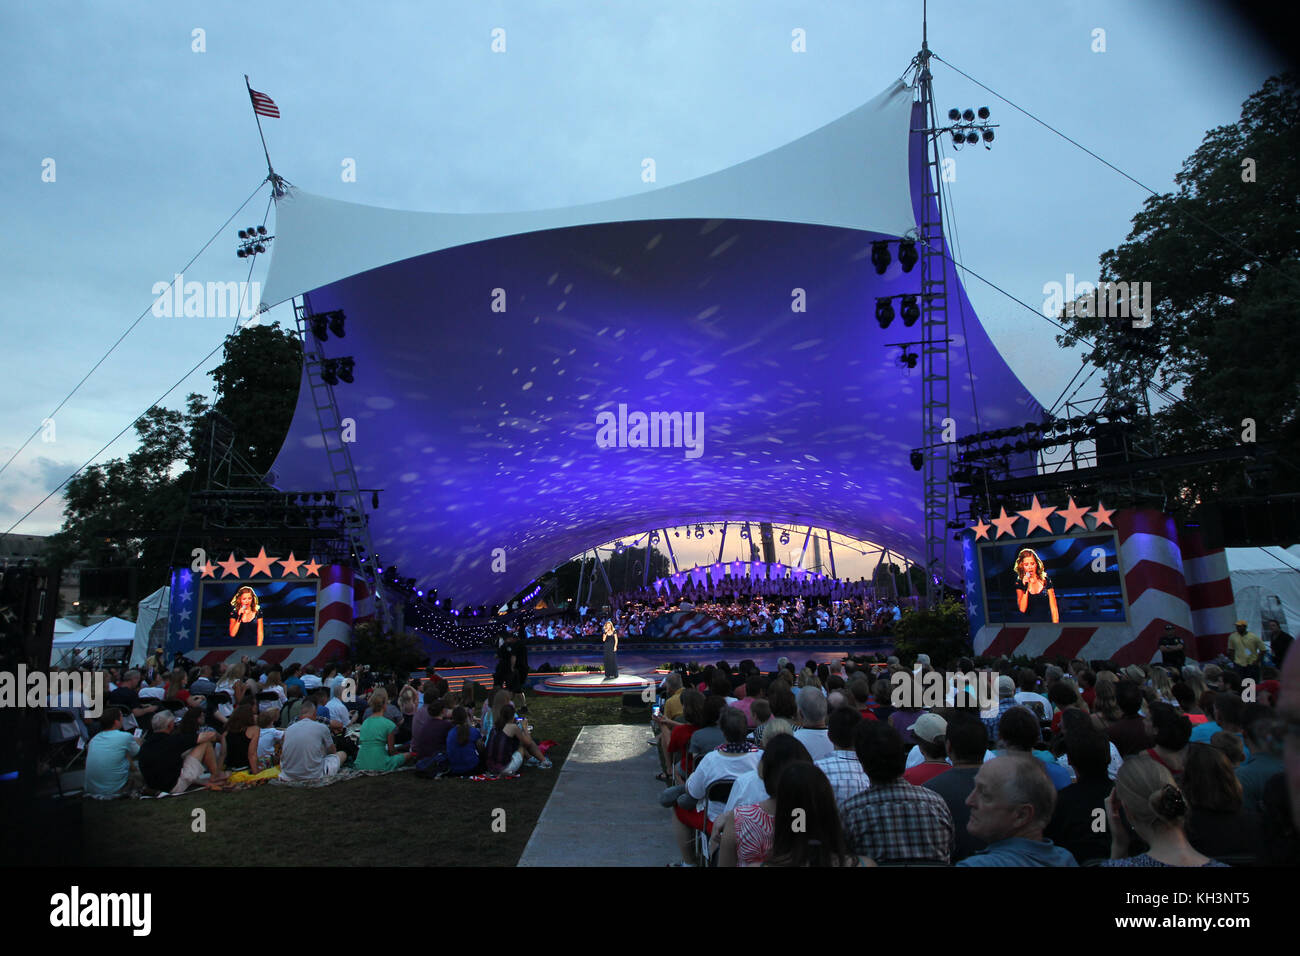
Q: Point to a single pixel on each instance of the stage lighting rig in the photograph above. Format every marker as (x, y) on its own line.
(911, 312)
(908, 359)
(252, 241)
(880, 257)
(884, 312)
(969, 127)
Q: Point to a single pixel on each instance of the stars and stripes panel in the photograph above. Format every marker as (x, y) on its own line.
(1168, 579)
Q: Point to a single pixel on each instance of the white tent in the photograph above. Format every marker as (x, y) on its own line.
(150, 625)
(861, 182)
(67, 625)
(1266, 586)
(113, 632)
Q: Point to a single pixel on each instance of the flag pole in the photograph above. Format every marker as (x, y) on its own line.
(270, 170)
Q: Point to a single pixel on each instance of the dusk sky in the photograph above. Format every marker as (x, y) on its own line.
(153, 145)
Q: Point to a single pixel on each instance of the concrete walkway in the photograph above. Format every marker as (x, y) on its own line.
(604, 810)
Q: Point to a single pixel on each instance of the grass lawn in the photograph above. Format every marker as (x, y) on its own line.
(394, 820)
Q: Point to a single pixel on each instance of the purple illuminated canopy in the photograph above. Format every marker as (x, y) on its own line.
(488, 375)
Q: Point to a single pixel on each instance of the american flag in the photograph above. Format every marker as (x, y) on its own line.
(263, 105)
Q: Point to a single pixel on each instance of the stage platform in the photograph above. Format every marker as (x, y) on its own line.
(594, 685)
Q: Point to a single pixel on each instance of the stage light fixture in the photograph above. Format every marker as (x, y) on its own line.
(958, 139)
(346, 365)
(785, 537)
(880, 257)
(972, 137)
(954, 114)
(917, 459)
(243, 234)
(908, 358)
(319, 327)
(261, 230)
(884, 312)
(328, 372)
(336, 320)
(907, 256)
(968, 115)
(911, 312)
(988, 136)
(983, 112)
(374, 499)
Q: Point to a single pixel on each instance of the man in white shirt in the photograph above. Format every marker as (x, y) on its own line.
(1028, 695)
(812, 717)
(731, 760)
(308, 751)
(339, 710)
(310, 679)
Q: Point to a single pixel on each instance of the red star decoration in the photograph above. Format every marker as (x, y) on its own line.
(1074, 515)
(313, 569)
(290, 566)
(260, 565)
(231, 566)
(1005, 524)
(981, 529)
(208, 568)
(1037, 517)
(1102, 515)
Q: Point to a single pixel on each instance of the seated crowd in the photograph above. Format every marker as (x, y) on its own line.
(1142, 766)
(162, 733)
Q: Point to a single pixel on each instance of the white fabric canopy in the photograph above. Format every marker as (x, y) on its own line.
(851, 173)
(150, 611)
(113, 632)
(1266, 585)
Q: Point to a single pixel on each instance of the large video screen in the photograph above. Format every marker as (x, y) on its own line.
(1065, 580)
(287, 605)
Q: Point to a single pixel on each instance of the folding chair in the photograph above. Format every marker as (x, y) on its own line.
(66, 738)
(718, 792)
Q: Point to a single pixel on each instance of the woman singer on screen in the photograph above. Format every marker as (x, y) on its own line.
(1035, 596)
(246, 617)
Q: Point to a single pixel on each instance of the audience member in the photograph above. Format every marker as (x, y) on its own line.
(1218, 825)
(806, 824)
(893, 820)
(108, 757)
(929, 733)
(966, 740)
(1011, 805)
(842, 767)
(1147, 799)
(1081, 805)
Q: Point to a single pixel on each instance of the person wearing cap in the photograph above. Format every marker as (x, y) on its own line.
(1006, 700)
(1010, 806)
(929, 732)
(1246, 649)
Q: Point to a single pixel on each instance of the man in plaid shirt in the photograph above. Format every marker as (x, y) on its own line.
(893, 820)
(842, 766)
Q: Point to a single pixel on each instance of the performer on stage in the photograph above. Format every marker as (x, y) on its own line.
(246, 617)
(611, 650)
(1035, 596)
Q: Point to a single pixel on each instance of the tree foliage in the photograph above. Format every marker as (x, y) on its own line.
(118, 513)
(1222, 255)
